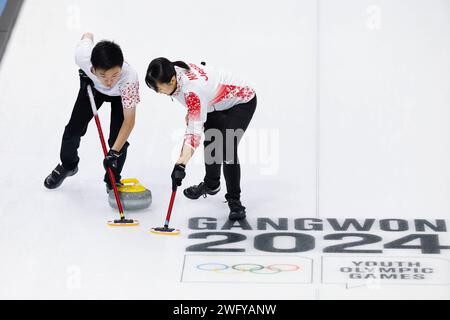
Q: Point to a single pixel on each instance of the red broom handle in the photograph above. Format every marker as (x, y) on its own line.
(169, 212)
(105, 151)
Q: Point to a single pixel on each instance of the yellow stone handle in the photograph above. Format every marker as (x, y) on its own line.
(130, 181)
(131, 185)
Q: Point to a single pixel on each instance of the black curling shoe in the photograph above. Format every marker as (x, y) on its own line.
(237, 210)
(202, 189)
(56, 178)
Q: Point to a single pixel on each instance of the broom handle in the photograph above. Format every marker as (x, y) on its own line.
(169, 212)
(172, 199)
(105, 151)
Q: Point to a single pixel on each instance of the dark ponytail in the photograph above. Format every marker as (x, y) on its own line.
(181, 64)
(161, 70)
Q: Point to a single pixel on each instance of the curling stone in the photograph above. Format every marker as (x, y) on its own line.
(132, 194)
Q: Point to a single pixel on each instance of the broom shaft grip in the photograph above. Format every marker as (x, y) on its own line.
(91, 98)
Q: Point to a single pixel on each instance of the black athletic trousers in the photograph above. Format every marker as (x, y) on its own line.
(78, 123)
(238, 117)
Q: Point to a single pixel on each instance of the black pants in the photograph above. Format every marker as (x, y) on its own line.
(78, 123)
(226, 122)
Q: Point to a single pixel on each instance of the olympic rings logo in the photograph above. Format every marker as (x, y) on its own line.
(248, 267)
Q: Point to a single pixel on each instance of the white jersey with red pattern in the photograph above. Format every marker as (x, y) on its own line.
(203, 90)
(126, 87)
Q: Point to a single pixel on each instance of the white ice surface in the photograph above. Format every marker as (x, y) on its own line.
(359, 114)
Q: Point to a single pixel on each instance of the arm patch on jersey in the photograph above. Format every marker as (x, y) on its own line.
(194, 106)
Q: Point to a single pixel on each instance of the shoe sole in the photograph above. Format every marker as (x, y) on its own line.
(213, 193)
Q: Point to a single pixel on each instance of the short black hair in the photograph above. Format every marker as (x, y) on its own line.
(107, 55)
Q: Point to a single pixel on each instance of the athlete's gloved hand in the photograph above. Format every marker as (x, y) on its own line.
(85, 80)
(178, 175)
(111, 160)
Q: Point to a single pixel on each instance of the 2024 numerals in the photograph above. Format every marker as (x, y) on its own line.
(427, 243)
